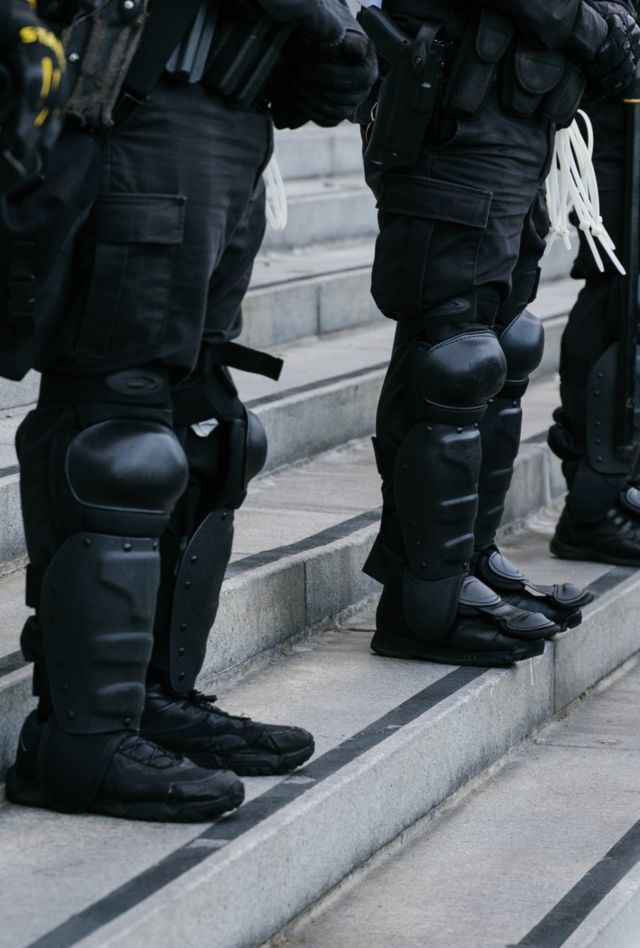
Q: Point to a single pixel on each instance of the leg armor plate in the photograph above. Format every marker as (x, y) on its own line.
(115, 483)
(437, 469)
(197, 547)
(522, 342)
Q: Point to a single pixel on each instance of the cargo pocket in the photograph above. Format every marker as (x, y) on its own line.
(133, 239)
(427, 248)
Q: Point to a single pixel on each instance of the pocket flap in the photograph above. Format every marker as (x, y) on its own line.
(139, 218)
(495, 33)
(435, 200)
(538, 71)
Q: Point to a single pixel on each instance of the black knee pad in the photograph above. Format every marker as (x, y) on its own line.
(124, 477)
(247, 454)
(522, 342)
(225, 460)
(451, 382)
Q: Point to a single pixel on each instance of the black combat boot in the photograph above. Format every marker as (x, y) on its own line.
(486, 631)
(196, 727)
(560, 603)
(142, 782)
(613, 539)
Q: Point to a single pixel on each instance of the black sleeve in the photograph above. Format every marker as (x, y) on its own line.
(571, 25)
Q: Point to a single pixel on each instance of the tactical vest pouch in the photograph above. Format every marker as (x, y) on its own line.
(561, 104)
(483, 46)
(528, 76)
(100, 49)
(38, 229)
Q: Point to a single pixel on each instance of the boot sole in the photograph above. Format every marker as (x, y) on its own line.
(564, 551)
(270, 765)
(28, 793)
(405, 648)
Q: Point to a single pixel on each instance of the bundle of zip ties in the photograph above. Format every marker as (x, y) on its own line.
(276, 207)
(572, 186)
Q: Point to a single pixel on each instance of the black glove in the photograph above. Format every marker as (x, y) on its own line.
(324, 84)
(615, 62)
(30, 116)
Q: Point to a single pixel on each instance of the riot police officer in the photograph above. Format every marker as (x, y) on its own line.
(140, 450)
(601, 518)
(456, 154)
(32, 67)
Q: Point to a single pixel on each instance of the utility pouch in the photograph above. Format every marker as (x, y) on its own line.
(409, 91)
(100, 48)
(483, 45)
(528, 77)
(561, 104)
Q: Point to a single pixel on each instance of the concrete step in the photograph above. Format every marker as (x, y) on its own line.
(544, 852)
(309, 152)
(323, 209)
(97, 882)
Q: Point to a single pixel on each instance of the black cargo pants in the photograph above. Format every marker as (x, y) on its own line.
(466, 222)
(160, 269)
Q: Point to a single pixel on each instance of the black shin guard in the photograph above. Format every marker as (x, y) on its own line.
(197, 547)
(96, 613)
(431, 500)
(583, 437)
(500, 431)
(188, 604)
(522, 342)
(113, 471)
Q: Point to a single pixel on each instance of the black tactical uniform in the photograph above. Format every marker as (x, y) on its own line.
(128, 511)
(461, 234)
(601, 520)
(32, 67)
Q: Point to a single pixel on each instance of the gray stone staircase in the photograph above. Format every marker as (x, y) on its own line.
(394, 739)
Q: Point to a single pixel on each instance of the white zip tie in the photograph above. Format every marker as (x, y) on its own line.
(572, 186)
(276, 207)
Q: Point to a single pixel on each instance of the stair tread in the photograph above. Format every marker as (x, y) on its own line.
(315, 685)
(302, 189)
(273, 268)
(509, 861)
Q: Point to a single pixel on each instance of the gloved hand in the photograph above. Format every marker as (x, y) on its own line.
(615, 62)
(30, 118)
(324, 84)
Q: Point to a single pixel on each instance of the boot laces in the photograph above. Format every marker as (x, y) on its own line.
(146, 752)
(208, 703)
